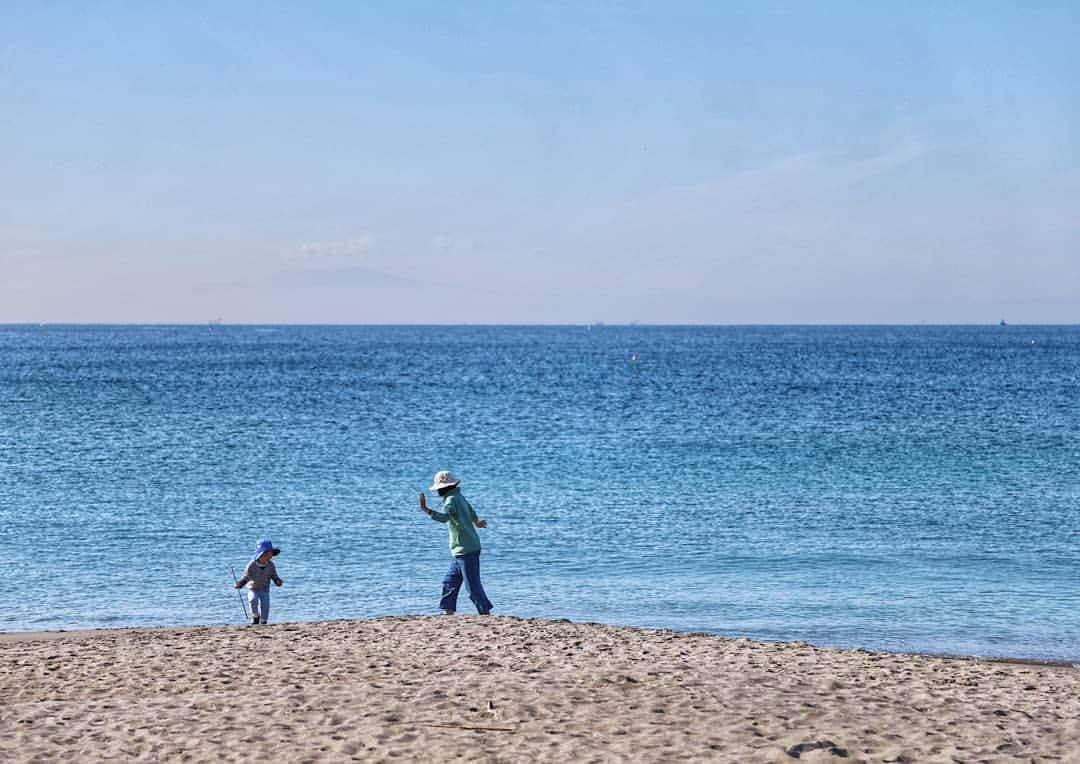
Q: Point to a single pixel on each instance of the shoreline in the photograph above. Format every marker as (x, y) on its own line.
(504, 688)
(46, 634)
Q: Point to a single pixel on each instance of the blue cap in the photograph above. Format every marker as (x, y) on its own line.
(264, 546)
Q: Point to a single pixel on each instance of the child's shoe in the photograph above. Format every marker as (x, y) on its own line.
(254, 620)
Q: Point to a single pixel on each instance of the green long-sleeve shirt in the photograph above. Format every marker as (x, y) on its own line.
(460, 518)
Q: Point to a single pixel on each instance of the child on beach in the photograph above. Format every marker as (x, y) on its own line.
(460, 518)
(257, 575)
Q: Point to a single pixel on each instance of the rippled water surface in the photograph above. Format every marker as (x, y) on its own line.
(910, 488)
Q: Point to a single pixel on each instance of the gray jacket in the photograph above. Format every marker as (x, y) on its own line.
(258, 577)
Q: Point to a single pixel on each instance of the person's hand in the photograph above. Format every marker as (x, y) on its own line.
(423, 502)
(279, 582)
(481, 523)
(236, 585)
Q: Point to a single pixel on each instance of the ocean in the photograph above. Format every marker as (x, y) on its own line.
(912, 489)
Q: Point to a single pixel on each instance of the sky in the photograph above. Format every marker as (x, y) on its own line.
(540, 162)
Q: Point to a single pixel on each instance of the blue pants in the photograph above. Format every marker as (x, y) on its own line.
(466, 567)
(260, 604)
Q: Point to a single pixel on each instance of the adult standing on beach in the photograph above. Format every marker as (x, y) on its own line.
(462, 522)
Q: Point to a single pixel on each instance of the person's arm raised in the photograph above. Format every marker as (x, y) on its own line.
(433, 514)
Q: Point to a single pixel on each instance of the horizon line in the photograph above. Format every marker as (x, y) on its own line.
(217, 324)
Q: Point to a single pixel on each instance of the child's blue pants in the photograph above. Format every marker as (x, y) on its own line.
(260, 604)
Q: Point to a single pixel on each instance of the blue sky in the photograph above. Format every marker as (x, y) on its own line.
(548, 162)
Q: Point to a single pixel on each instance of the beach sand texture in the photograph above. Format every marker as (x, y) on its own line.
(498, 688)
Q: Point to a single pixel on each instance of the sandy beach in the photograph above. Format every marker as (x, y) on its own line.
(427, 688)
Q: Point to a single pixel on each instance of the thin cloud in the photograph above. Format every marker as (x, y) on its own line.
(353, 248)
(452, 244)
(800, 171)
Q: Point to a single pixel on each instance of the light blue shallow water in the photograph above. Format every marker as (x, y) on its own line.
(910, 488)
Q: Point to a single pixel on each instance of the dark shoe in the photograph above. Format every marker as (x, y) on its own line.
(254, 620)
(447, 612)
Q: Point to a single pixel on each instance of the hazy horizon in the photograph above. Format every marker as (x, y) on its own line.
(593, 325)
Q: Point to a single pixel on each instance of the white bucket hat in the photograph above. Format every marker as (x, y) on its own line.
(444, 479)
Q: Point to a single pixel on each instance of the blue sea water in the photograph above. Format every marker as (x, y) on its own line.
(901, 488)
